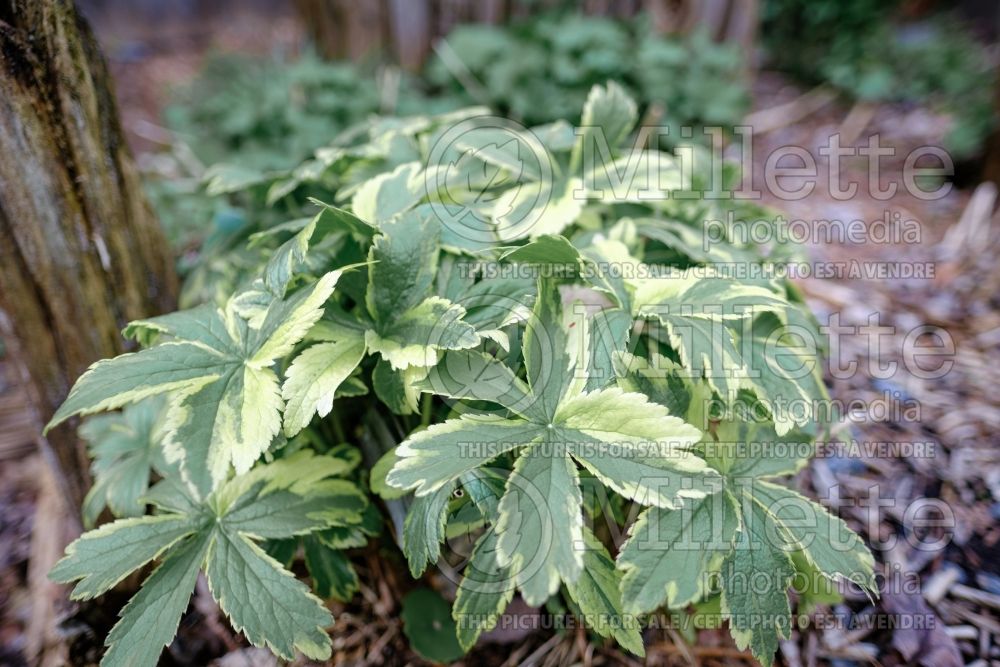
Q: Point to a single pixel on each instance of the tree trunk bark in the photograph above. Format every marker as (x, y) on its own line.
(81, 252)
(991, 160)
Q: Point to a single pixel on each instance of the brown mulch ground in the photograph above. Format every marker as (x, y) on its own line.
(959, 582)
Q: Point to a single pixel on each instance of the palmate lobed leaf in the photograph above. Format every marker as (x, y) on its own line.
(225, 401)
(126, 448)
(746, 538)
(218, 535)
(409, 326)
(634, 446)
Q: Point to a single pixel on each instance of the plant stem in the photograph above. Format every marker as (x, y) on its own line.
(376, 440)
(426, 410)
(338, 428)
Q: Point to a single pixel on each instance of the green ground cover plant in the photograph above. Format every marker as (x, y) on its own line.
(452, 325)
(227, 118)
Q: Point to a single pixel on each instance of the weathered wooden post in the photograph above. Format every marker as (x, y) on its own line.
(81, 252)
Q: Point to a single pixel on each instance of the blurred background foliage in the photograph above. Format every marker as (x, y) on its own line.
(264, 115)
(864, 49)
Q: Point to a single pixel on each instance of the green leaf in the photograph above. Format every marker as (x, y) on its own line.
(287, 322)
(171, 495)
(550, 367)
(410, 327)
(397, 389)
(416, 337)
(299, 472)
(670, 553)
(103, 557)
(331, 571)
(697, 293)
(126, 448)
(312, 380)
(537, 208)
(546, 249)
(381, 198)
(693, 308)
(287, 259)
(225, 178)
(129, 378)
(472, 375)
(337, 219)
(430, 459)
(812, 587)
(541, 527)
(755, 577)
(485, 591)
(155, 612)
(293, 253)
(204, 324)
(825, 540)
(609, 337)
(781, 362)
(377, 475)
(230, 422)
(225, 401)
(428, 625)
(494, 304)
(609, 113)
(633, 446)
(750, 449)
(503, 152)
(289, 497)
(266, 602)
(657, 377)
(423, 529)
(281, 514)
(597, 594)
(639, 176)
(707, 351)
(404, 259)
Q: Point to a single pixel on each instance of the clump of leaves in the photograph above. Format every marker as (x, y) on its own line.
(247, 132)
(499, 329)
(226, 117)
(226, 112)
(692, 80)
